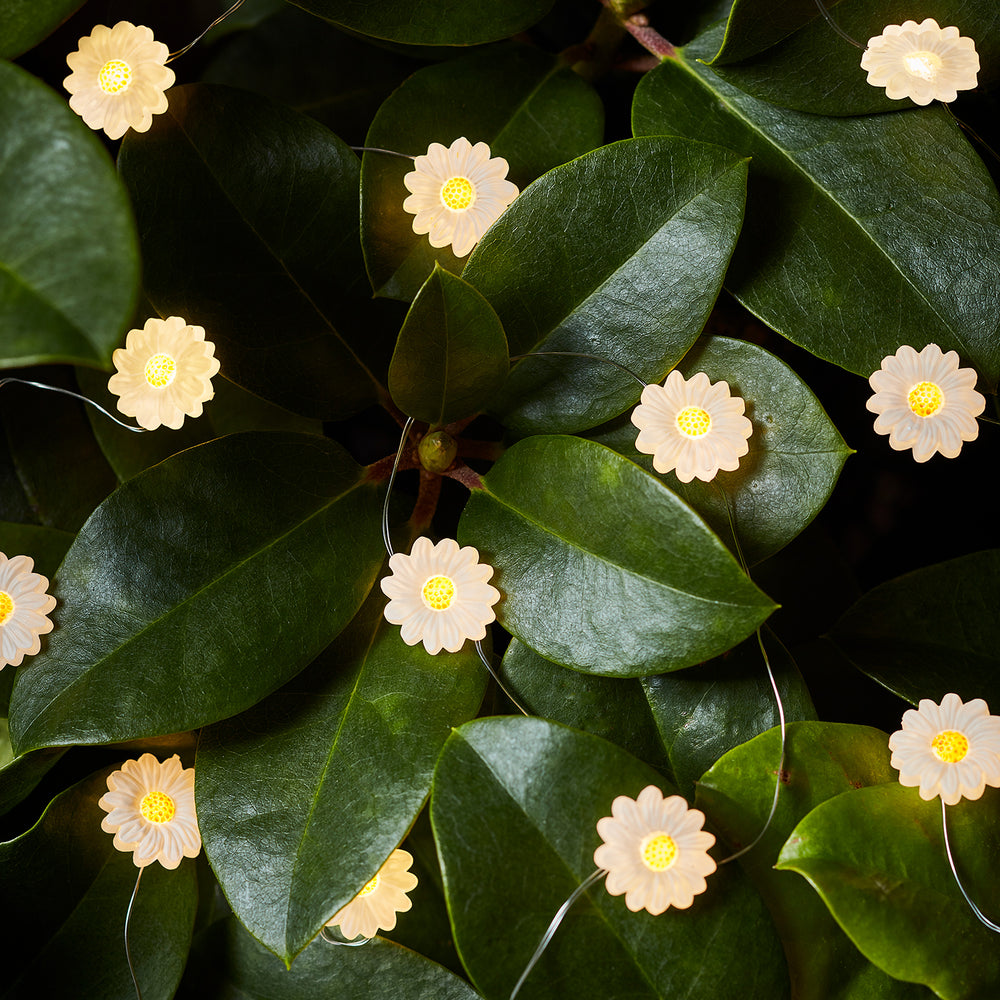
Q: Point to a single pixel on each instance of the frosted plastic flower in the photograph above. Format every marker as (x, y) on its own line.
(951, 749)
(374, 909)
(119, 78)
(923, 62)
(458, 193)
(925, 402)
(692, 427)
(150, 809)
(164, 372)
(655, 851)
(439, 595)
(23, 607)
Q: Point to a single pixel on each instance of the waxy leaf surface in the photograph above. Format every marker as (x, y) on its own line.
(602, 568)
(67, 285)
(530, 792)
(216, 577)
(619, 254)
(902, 198)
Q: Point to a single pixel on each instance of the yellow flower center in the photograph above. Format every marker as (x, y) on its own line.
(458, 194)
(950, 746)
(694, 422)
(658, 851)
(438, 592)
(115, 76)
(923, 64)
(6, 606)
(925, 399)
(161, 369)
(370, 886)
(157, 807)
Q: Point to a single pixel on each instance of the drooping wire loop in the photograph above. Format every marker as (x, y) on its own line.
(128, 952)
(74, 395)
(980, 916)
(192, 44)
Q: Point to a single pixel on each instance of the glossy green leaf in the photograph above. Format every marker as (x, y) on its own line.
(904, 200)
(531, 109)
(72, 889)
(69, 267)
(378, 970)
(20, 775)
(24, 23)
(46, 546)
(821, 760)
(703, 712)
(643, 586)
(877, 858)
(620, 254)
(795, 456)
(301, 799)
(614, 708)
(931, 631)
(216, 576)
(755, 25)
(451, 356)
(432, 22)
(515, 807)
(248, 218)
(813, 69)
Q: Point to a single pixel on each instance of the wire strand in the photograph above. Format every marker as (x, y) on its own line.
(73, 395)
(554, 926)
(378, 149)
(983, 919)
(836, 27)
(128, 953)
(343, 944)
(218, 20)
(496, 677)
(388, 490)
(575, 354)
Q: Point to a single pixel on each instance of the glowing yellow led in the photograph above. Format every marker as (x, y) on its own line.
(694, 422)
(370, 886)
(6, 606)
(115, 76)
(923, 64)
(950, 746)
(659, 852)
(157, 807)
(160, 371)
(458, 193)
(438, 593)
(925, 399)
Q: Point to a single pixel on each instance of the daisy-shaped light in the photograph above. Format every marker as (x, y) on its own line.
(951, 749)
(23, 607)
(374, 909)
(164, 373)
(439, 595)
(692, 427)
(654, 851)
(923, 62)
(457, 193)
(119, 78)
(925, 402)
(150, 809)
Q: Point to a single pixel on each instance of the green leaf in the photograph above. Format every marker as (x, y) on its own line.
(301, 799)
(795, 456)
(20, 775)
(643, 586)
(24, 23)
(909, 207)
(614, 708)
(877, 858)
(380, 969)
(432, 22)
(248, 217)
(822, 760)
(46, 546)
(451, 356)
(72, 889)
(216, 577)
(703, 712)
(69, 267)
(514, 807)
(931, 631)
(755, 25)
(620, 254)
(813, 69)
(530, 108)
